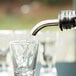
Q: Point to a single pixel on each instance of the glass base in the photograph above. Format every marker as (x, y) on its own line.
(28, 73)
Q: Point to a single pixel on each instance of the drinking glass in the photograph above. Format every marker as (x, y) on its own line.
(24, 55)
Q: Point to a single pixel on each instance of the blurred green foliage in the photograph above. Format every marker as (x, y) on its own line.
(16, 23)
(53, 1)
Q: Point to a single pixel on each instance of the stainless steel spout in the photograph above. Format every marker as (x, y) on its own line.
(42, 24)
(66, 20)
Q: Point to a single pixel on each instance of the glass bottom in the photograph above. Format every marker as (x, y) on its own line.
(28, 73)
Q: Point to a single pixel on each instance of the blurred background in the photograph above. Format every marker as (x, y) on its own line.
(17, 18)
(24, 14)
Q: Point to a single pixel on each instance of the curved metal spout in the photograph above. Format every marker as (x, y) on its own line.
(43, 24)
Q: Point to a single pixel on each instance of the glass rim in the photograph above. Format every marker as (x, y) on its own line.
(23, 42)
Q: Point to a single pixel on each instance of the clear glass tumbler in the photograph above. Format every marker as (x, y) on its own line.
(24, 54)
